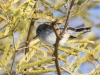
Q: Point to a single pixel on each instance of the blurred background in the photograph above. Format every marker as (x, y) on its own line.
(87, 15)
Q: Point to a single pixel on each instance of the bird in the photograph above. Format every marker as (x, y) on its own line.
(46, 34)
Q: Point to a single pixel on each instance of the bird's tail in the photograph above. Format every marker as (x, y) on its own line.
(86, 29)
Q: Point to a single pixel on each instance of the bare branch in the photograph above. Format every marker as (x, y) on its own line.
(58, 37)
(14, 48)
(68, 17)
(13, 56)
(29, 33)
(56, 48)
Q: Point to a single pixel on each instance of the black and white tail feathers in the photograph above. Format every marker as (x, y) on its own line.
(86, 29)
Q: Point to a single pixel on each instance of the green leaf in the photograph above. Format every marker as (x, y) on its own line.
(6, 52)
(36, 63)
(36, 71)
(3, 17)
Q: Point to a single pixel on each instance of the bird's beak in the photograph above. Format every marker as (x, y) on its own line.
(35, 36)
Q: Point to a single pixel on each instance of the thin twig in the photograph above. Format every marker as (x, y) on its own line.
(67, 19)
(22, 48)
(30, 33)
(29, 38)
(66, 70)
(13, 56)
(14, 48)
(6, 71)
(30, 30)
(3, 27)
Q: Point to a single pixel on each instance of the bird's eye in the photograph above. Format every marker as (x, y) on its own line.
(38, 32)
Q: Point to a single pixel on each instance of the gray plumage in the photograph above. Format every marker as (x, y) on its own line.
(46, 34)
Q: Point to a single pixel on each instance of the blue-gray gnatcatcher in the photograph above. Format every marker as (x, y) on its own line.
(46, 34)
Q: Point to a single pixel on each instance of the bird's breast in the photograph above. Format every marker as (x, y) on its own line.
(49, 38)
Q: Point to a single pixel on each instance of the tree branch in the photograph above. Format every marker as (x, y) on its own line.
(67, 19)
(29, 33)
(29, 36)
(58, 37)
(56, 47)
(13, 60)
